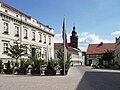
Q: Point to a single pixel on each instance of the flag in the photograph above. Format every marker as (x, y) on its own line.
(64, 36)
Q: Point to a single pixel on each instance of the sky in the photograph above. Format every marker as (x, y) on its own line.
(95, 20)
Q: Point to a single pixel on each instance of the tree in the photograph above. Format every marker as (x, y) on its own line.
(108, 56)
(60, 56)
(17, 50)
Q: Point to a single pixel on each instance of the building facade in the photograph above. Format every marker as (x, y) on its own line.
(117, 50)
(77, 57)
(95, 52)
(16, 25)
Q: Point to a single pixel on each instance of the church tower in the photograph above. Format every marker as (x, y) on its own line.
(74, 39)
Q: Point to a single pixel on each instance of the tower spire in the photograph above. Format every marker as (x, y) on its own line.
(74, 38)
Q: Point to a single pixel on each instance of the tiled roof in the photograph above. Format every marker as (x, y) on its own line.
(100, 48)
(58, 45)
(16, 10)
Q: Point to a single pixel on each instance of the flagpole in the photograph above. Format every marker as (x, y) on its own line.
(65, 43)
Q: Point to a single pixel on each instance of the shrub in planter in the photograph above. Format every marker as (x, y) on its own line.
(60, 55)
(1, 66)
(67, 66)
(51, 68)
(62, 72)
(35, 72)
(22, 70)
(9, 70)
(35, 67)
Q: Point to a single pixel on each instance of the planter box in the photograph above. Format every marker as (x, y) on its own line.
(8, 71)
(35, 72)
(21, 71)
(50, 72)
(62, 72)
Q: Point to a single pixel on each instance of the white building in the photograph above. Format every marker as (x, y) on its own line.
(117, 50)
(16, 25)
(77, 57)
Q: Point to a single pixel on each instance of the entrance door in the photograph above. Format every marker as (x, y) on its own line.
(90, 62)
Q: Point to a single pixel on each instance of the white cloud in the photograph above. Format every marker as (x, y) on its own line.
(115, 33)
(85, 38)
(84, 33)
(58, 38)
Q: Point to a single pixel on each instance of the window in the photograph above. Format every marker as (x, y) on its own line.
(25, 19)
(16, 15)
(5, 27)
(6, 11)
(33, 36)
(39, 53)
(16, 31)
(5, 47)
(49, 40)
(40, 36)
(44, 38)
(25, 34)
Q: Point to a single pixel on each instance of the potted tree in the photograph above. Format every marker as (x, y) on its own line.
(51, 68)
(8, 69)
(35, 67)
(67, 66)
(1, 66)
(60, 55)
(16, 51)
(22, 70)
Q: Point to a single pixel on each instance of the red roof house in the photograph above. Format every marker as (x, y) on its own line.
(95, 51)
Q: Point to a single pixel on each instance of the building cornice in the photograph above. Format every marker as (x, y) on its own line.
(27, 23)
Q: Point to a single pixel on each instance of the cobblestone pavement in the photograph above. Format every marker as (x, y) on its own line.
(78, 78)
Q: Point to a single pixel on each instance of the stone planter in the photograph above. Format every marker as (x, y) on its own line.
(0, 70)
(35, 72)
(21, 71)
(50, 72)
(62, 72)
(8, 71)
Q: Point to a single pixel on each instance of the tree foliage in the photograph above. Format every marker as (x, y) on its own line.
(60, 55)
(17, 50)
(108, 56)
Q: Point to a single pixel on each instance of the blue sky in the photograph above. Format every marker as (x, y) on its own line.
(95, 20)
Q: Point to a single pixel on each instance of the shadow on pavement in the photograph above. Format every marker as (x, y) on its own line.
(93, 80)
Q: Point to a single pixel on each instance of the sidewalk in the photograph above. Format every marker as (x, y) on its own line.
(24, 82)
(78, 78)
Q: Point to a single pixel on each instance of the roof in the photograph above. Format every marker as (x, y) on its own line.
(58, 45)
(100, 48)
(16, 10)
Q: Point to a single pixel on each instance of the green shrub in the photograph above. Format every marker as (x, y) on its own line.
(8, 66)
(1, 64)
(36, 64)
(51, 64)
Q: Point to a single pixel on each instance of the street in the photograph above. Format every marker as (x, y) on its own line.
(78, 78)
